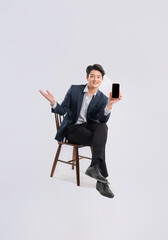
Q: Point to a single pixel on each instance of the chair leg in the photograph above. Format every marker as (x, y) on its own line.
(77, 166)
(73, 157)
(56, 159)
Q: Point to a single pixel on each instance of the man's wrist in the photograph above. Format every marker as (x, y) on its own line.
(109, 105)
(52, 103)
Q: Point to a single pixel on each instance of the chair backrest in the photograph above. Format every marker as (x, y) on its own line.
(58, 121)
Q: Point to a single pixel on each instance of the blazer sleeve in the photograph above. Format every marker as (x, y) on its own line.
(102, 118)
(64, 107)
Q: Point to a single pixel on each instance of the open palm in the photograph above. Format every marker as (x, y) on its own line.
(48, 96)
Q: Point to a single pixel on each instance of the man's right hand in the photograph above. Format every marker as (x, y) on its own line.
(48, 96)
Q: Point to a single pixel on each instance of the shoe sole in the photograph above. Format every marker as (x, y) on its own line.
(104, 194)
(103, 181)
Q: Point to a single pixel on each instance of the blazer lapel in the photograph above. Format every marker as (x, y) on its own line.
(80, 99)
(94, 101)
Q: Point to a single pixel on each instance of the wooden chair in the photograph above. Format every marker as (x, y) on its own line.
(75, 154)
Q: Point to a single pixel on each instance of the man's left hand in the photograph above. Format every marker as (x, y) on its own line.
(111, 100)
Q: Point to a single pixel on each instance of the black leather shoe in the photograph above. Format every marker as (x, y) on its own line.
(104, 189)
(94, 172)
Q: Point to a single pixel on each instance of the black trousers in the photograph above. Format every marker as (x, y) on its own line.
(91, 134)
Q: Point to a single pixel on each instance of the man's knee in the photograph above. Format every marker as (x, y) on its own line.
(104, 126)
(101, 125)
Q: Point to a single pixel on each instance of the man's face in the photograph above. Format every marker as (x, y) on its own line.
(94, 79)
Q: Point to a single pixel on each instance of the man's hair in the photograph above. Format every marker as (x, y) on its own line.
(97, 67)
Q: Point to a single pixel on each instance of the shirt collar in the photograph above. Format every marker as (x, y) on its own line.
(86, 90)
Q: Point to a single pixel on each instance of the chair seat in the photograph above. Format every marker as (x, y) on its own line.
(72, 144)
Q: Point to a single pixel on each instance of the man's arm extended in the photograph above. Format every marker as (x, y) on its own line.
(56, 107)
(64, 107)
(105, 110)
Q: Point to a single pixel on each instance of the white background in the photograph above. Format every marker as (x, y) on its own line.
(48, 45)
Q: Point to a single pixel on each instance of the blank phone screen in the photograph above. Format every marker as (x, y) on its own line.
(115, 90)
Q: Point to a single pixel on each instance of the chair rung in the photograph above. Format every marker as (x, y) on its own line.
(66, 162)
(84, 157)
(71, 161)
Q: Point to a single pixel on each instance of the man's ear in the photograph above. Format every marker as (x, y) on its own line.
(87, 77)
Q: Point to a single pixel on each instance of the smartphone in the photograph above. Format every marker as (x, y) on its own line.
(115, 90)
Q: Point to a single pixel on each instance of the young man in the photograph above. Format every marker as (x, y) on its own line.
(87, 110)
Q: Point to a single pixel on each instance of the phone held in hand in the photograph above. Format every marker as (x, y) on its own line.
(115, 90)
